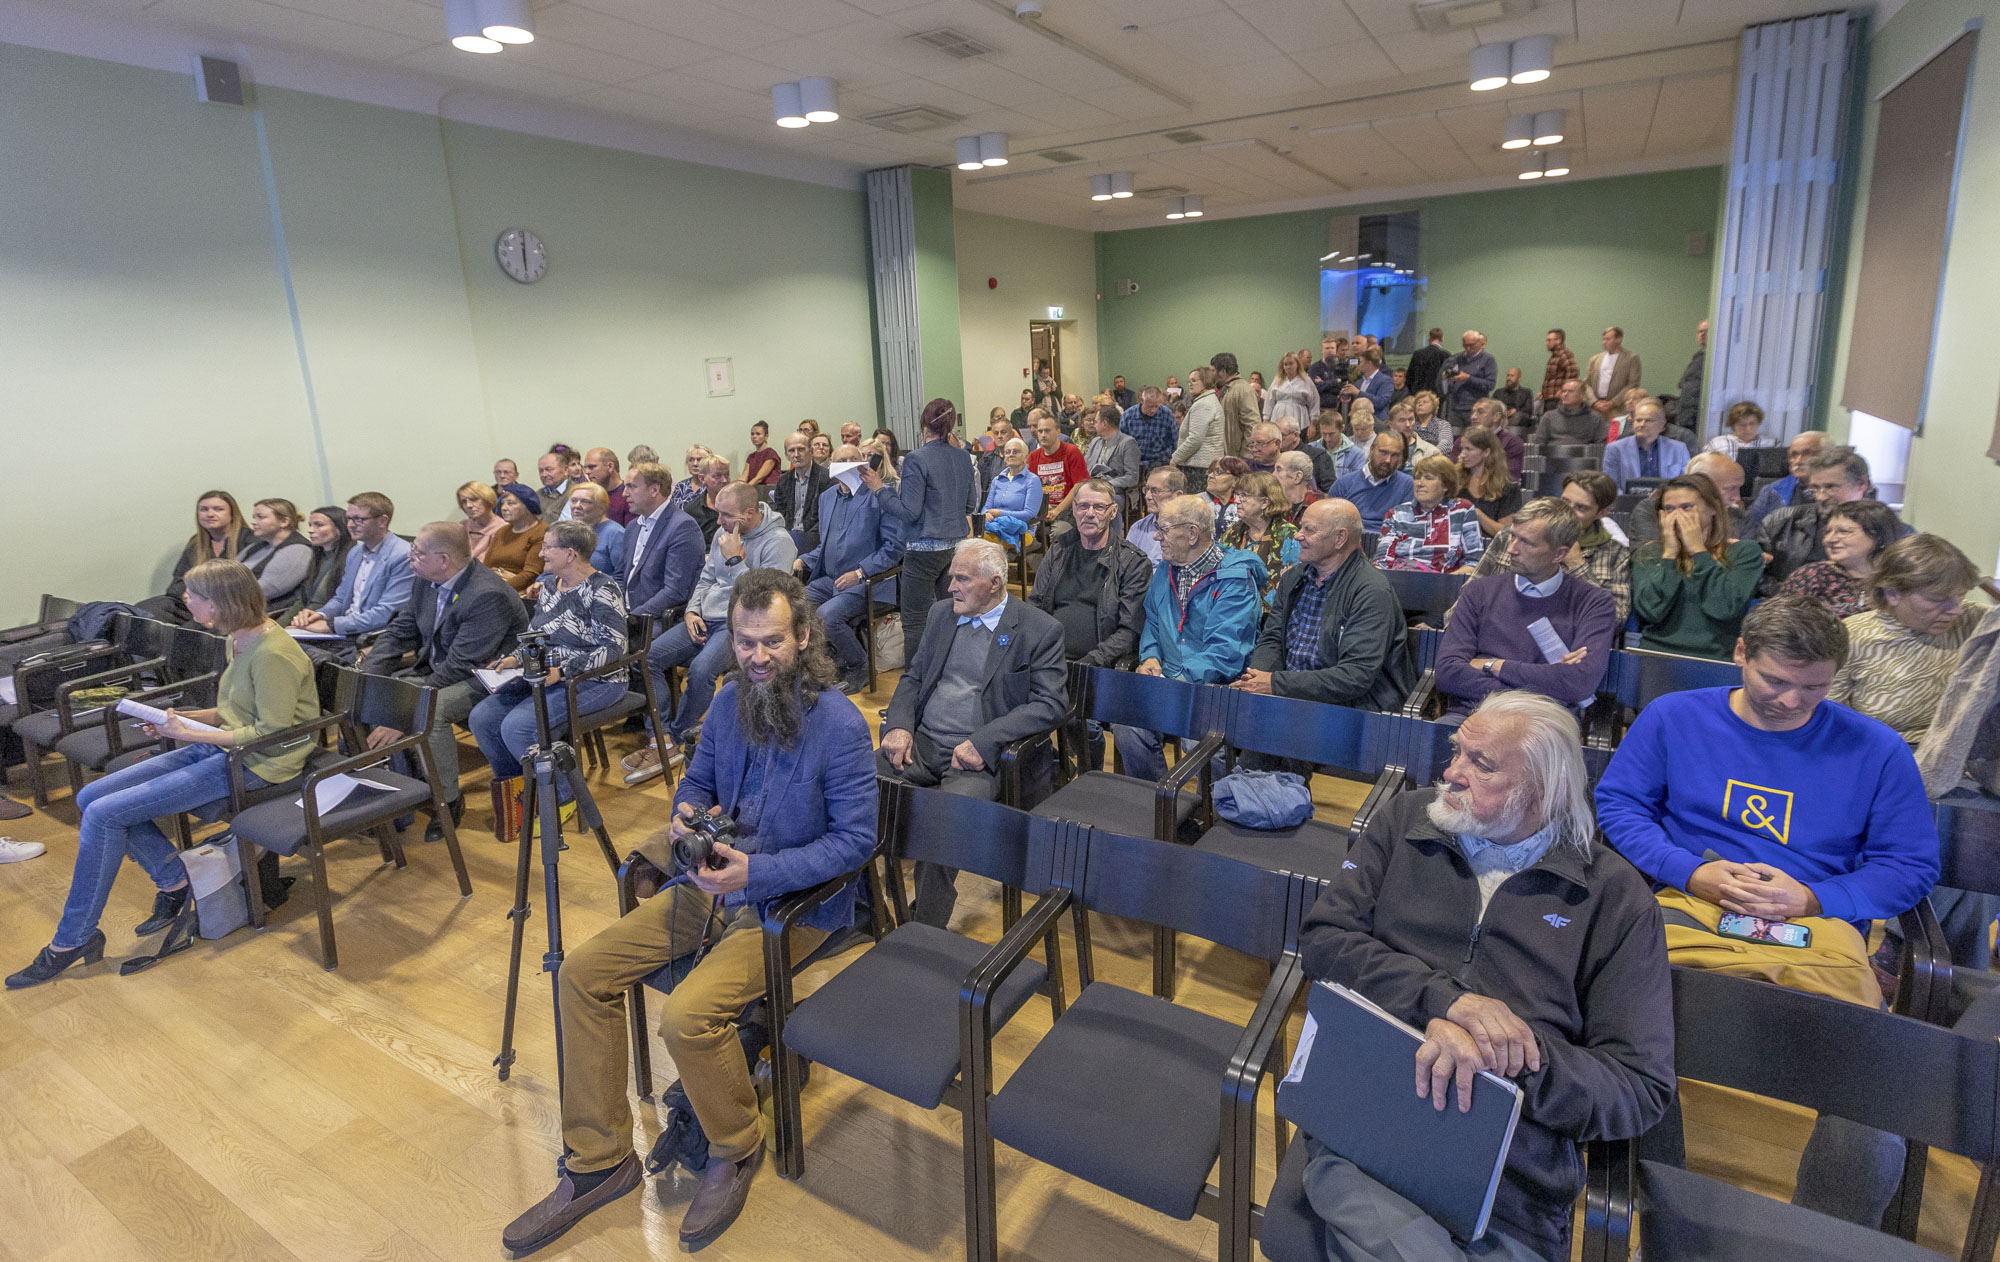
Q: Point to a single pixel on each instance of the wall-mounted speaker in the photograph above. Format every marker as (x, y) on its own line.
(1126, 288)
(218, 82)
(1697, 245)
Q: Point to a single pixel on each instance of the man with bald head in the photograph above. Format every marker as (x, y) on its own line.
(1717, 468)
(600, 465)
(1335, 629)
(795, 493)
(1469, 376)
(459, 616)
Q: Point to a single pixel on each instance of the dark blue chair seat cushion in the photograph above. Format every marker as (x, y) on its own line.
(890, 1018)
(1685, 1217)
(1104, 800)
(42, 728)
(1124, 1091)
(1311, 849)
(90, 747)
(279, 822)
(1292, 1231)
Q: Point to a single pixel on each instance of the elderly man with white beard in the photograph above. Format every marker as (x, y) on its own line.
(1480, 912)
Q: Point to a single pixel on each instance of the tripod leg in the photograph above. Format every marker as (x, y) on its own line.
(590, 817)
(519, 915)
(549, 822)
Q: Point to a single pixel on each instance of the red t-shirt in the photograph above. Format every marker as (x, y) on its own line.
(1059, 472)
(762, 458)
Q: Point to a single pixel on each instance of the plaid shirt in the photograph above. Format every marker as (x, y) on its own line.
(1157, 435)
(1562, 367)
(1302, 631)
(1434, 540)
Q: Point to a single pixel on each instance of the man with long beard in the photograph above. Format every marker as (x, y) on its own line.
(786, 756)
(1479, 912)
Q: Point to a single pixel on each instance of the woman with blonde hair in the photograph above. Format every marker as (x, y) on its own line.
(279, 557)
(1293, 394)
(267, 687)
(483, 522)
(1902, 649)
(1263, 526)
(219, 531)
(1691, 587)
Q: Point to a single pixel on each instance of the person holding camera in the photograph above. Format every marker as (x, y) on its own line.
(579, 625)
(780, 797)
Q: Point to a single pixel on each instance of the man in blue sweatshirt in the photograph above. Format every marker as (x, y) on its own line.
(1770, 801)
(1381, 485)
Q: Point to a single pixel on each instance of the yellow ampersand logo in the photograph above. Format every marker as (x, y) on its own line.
(1759, 809)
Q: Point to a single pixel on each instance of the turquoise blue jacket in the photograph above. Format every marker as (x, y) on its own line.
(1208, 641)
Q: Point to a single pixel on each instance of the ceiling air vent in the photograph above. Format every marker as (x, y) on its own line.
(912, 118)
(1185, 137)
(952, 43)
(1440, 16)
(1061, 155)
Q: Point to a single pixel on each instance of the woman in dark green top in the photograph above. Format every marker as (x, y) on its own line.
(267, 687)
(1691, 588)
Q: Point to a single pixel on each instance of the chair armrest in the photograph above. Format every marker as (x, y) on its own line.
(1251, 1058)
(68, 687)
(617, 665)
(975, 997)
(1420, 696)
(1011, 755)
(1192, 761)
(1610, 1174)
(786, 909)
(114, 732)
(1923, 983)
(237, 753)
(785, 912)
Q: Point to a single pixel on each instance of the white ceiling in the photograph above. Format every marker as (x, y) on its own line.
(1313, 102)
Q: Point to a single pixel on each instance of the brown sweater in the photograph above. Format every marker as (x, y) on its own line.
(517, 556)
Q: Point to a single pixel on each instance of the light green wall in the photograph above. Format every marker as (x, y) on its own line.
(147, 344)
(1038, 266)
(1952, 487)
(937, 288)
(1510, 263)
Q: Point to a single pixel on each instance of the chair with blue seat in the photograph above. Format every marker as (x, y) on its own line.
(891, 1017)
(1637, 677)
(1129, 1091)
(1426, 596)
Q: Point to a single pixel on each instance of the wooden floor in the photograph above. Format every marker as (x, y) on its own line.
(240, 1102)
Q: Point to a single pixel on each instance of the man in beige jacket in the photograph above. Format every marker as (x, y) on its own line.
(1240, 409)
(1612, 372)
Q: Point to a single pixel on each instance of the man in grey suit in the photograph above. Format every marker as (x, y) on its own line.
(459, 617)
(987, 672)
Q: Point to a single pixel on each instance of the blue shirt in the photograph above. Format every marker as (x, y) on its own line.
(1836, 804)
(1016, 494)
(990, 619)
(1374, 500)
(1157, 435)
(1302, 631)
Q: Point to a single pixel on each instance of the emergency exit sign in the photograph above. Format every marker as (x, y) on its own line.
(1055, 313)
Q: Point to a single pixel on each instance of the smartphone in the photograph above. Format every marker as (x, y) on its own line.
(1751, 929)
(875, 460)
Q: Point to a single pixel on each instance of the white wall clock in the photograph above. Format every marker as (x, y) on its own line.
(521, 255)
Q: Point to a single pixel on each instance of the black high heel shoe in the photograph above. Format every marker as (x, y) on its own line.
(167, 904)
(180, 936)
(51, 962)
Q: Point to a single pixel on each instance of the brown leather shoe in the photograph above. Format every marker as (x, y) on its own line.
(725, 1185)
(562, 1209)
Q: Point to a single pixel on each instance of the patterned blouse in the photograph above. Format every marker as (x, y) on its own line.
(1277, 549)
(586, 623)
(1435, 540)
(1894, 674)
(1830, 585)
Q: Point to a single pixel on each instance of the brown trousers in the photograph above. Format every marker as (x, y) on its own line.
(697, 1021)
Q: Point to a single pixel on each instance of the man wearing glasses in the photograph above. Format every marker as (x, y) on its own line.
(375, 585)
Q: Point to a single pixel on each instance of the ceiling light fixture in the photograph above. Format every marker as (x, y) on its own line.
(1548, 128)
(1100, 188)
(1121, 184)
(1518, 132)
(1555, 162)
(1531, 167)
(508, 21)
(1491, 63)
(461, 26)
(1191, 206)
(816, 95)
(787, 107)
(1534, 56)
(993, 148)
(1177, 208)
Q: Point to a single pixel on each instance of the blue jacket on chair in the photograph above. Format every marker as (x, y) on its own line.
(819, 802)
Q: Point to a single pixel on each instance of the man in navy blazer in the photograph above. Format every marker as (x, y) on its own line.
(1644, 453)
(375, 584)
(662, 555)
(857, 540)
(786, 756)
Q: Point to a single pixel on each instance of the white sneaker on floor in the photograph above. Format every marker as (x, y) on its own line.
(12, 851)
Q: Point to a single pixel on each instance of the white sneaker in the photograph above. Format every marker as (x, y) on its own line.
(12, 851)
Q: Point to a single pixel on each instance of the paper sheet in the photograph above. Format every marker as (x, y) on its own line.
(1546, 639)
(300, 633)
(150, 714)
(493, 679)
(1299, 1057)
(335, 789)
(6, 690)
(848, 471)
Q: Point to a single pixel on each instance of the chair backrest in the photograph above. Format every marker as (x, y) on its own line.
(1192, 891)
(1429, 594)
(1424, 645)
(1637, 676)
(140, 637)
(1285, 727)
(1764, 462)
(385, 701)
(1968, 825)
(1420, 747)
(1643, 486)
(971, 834)
(192, 651)
(1835, 1057)
(1172, 706)
(58, 608)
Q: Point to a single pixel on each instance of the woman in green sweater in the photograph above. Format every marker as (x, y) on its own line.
(1691, 589)
(267, 687)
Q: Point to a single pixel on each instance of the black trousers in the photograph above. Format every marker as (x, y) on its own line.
(926, 579)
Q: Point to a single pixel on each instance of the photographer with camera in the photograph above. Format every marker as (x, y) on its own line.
(786, 759)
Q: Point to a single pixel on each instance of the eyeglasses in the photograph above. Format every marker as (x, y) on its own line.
(353, 520)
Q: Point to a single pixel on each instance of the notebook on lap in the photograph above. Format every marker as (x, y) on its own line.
(1352, 1086)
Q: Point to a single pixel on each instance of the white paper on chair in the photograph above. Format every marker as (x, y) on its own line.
(300, 633)
(1552, 647)
(334, 790)
(6, 690)
(155, 716)
(494, 679)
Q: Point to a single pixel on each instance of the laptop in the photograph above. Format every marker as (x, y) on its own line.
(1352, 1086)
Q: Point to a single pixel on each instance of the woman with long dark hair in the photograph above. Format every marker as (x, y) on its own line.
(326, 531)
(1691, 588)
(935, 501)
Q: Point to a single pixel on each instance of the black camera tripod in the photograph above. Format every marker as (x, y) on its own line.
(546, 760)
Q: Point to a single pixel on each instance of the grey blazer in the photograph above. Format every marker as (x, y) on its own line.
(1027, 681)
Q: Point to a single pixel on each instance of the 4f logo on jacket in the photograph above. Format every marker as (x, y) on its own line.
(1555, 920)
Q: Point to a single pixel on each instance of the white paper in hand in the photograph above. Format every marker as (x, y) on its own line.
(493, 679)
(1552, 647)
(849, 472)
(156, 716)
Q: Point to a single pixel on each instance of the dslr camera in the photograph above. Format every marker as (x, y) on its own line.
(696, 848)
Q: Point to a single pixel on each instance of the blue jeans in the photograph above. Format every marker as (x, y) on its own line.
(705, 663)
(118, 813)
(1143, 752)
(840, 609)
(504, 723)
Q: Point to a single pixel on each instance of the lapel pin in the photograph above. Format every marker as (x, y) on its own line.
(1002, 641)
